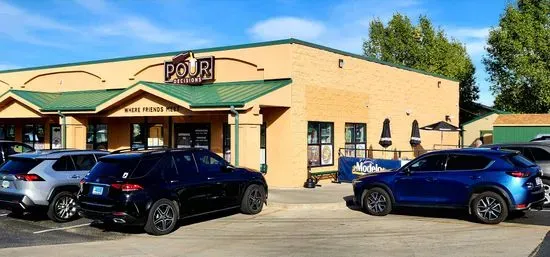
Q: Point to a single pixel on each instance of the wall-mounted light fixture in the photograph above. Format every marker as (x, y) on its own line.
(340, 63)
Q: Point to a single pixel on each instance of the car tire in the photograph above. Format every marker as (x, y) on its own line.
(62, 208)
(377, 202)
(253, 199)
(163, 218)
(489, 208)
(546, 186)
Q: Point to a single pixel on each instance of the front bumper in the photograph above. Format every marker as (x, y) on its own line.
(16, 202)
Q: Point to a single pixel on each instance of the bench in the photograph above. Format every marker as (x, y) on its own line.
(324, 174)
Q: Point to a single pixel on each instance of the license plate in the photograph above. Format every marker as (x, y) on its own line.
(538, 181)
(5, 184)
(97, 190)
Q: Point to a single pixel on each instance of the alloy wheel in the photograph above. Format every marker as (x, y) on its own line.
(546, 193)
(65, 207)
(255, 199)
(376, 202)
(163, 217)
(489, 208)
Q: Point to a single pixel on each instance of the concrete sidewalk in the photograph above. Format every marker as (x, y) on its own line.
(326, 195)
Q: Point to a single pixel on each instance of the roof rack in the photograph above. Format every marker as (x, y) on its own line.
(134, 149)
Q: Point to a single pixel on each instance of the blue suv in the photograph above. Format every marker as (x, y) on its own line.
(489, 183)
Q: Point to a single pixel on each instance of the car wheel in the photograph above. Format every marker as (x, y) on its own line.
(253, 200)
(490, 208)
(377, 202)
(63, 207)
(546, 186)
(162, 219)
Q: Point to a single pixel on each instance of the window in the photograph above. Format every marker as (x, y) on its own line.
(147, 135)
(185, 163)
(520, 161)
(116, 168)
(65, 163)
(320, 143)
(84, 161)
(97, 137)
(356, 139)
(16, 148)
(209, 163)
(467, 162)
(428, 163)
(167, 168)
(7, 132)
(145, 165)
(539, 154)
(33, 134)
(227, 142)
(19, 165)
(263, 137)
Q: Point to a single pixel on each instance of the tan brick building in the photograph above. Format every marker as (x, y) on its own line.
(297, 103)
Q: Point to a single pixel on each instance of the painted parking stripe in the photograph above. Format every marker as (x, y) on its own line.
(4, 214)
(63, 228)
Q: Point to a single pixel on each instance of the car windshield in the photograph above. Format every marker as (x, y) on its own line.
(520, 161)
(19, 165)
(115, 168)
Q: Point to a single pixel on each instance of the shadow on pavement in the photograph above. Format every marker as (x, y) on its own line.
(129, 229)
(544, 247)
(541, 218)
(29, 216)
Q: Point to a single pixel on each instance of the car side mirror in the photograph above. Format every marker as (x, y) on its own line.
(227, 168)
(407, 171)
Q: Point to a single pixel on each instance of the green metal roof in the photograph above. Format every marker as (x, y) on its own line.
(223, 94)
(68, 101)
(219, 94)
(242, 46)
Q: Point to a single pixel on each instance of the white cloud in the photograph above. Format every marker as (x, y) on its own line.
(96, 6)
(470, 32)
(475, 39)
(24, 26)
(286, 27)
(8, 66)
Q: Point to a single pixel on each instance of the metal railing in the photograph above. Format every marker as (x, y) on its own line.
(394, 154)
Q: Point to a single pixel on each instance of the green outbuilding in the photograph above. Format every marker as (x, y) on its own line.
(509, 128)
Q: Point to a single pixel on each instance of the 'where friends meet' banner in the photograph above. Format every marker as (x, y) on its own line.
(350, 168)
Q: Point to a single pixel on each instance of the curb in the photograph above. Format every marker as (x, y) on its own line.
(308, 206)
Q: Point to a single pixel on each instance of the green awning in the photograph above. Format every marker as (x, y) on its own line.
(223, 94)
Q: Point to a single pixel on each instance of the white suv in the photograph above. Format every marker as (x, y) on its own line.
(48, 179)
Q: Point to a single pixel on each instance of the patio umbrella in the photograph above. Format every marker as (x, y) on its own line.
(415, 134)
(442, 126)
(385, 138)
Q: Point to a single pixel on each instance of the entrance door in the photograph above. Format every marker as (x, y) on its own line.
(55, 136)
(192, 135)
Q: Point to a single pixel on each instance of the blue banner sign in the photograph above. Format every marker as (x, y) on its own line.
(350, 168)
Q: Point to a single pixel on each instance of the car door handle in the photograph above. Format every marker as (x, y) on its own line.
(75, 176)
(210, 178)
(475, 177)
(174, 181)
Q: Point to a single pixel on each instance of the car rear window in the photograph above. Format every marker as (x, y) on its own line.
(19, 165)
(520, 161)
(116, 168)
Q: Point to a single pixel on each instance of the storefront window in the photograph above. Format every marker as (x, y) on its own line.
(263, 153)
(147, 135)
(355, 134)
(7, 132)
(320, 143)
(33, 135)
(97, 137)
(227, 142)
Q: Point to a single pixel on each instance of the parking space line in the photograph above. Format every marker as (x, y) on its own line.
(4, 214)
(63, 228)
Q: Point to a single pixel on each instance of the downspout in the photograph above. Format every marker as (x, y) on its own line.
(236, 134)
(64, 130)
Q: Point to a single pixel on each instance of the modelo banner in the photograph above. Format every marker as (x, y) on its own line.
(350, 168)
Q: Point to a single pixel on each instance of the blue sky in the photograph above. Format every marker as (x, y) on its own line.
(36, 33)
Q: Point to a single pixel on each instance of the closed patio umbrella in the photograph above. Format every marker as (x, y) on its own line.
(415, 134)
(442, 126)
(385, 138)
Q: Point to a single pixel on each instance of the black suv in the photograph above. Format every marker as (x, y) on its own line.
(537, 152)
(155, 188)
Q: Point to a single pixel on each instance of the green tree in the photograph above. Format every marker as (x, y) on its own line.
(423, 47)
(519, 57)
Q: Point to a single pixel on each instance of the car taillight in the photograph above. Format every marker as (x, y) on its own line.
(28, 177)
(127, 187)
(519, 174)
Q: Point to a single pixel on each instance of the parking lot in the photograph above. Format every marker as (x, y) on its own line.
(314, 231)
